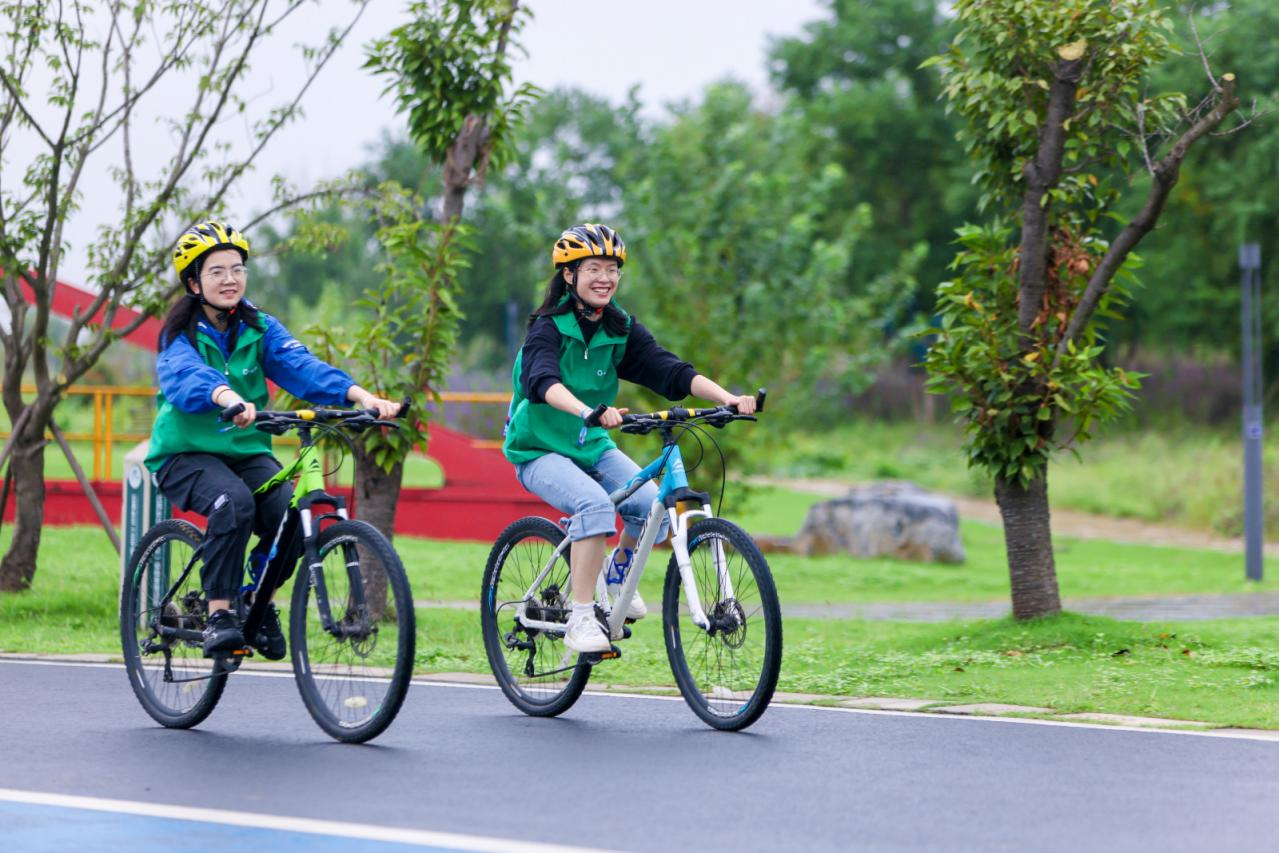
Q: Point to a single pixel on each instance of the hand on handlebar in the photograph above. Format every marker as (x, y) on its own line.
(386, 409)
(605, 416)
(612, 417)
(744, 403)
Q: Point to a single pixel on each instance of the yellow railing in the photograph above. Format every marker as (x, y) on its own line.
(104, 437)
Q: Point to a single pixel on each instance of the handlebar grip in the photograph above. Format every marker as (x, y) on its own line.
(230, 412)
(405, 404)
(759, 399)
(593, 419)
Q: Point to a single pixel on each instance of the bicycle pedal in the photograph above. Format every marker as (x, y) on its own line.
(613, 653)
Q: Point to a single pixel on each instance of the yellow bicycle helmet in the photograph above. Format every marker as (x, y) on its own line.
(204, 237)
(588, 240)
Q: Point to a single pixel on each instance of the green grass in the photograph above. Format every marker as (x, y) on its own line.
(1222, 671)
(1183, 476)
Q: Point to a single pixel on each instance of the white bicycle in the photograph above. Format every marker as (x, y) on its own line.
(721, 618)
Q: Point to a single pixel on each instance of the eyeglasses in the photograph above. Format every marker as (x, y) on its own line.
(216, 275)
(602, 272)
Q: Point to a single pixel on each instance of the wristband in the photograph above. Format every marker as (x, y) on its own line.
(585, 413)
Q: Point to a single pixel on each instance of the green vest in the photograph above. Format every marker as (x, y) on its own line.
(175, 431)
(590, 372)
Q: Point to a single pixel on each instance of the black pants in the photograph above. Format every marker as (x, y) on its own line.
(221, 489)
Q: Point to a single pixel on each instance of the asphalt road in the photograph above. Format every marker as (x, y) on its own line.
(625, 773)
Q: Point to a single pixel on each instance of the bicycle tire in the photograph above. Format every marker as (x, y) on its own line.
(516, 559)
(726, 677)
(352, 680)
(178, 704)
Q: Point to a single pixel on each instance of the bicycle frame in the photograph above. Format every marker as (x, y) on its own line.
(308, 492)
(673, 489)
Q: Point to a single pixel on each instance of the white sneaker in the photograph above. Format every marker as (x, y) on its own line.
(586, 634)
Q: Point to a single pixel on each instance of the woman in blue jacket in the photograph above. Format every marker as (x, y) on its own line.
(216, 350)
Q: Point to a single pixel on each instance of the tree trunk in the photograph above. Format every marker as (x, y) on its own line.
(18, 568)
(376, 495)
(1029, 544)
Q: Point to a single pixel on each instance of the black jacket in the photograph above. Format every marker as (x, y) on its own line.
(645, 362)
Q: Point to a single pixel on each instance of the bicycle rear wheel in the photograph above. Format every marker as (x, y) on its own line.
(535, 670)
(728, 674)
(160, 634)
(353, 671)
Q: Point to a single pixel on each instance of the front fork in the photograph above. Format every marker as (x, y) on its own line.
(315, 566)
(680, 522)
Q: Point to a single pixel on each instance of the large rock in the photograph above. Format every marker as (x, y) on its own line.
(884, 520)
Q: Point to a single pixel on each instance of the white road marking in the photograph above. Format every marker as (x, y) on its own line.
(367, 832)
(1264, 736)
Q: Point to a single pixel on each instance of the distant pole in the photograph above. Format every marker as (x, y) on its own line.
(1250, 304)
(514, 340)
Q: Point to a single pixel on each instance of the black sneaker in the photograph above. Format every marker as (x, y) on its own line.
(222, 633)
(270, 638)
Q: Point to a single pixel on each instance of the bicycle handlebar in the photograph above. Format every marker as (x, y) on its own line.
(679, 414)
(303, 416)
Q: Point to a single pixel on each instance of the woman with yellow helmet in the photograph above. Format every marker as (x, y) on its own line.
(217, 350)
(579, 344)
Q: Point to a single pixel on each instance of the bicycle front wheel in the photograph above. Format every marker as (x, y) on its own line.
(160, 634)
(535, 670)
(727, 673)
(353, 633)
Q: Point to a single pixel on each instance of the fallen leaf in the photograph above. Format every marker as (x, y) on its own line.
(1121, 653)
(1013, 653)
(1188, 653)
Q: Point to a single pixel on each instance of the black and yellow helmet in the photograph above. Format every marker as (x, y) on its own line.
(588, 240)
(204, 237)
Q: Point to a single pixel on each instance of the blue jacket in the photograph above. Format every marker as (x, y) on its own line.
(187, 380)
(186, 421)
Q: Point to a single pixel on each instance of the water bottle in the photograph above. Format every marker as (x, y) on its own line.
(255, 567)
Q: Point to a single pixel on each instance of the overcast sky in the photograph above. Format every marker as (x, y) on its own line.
(670, 48)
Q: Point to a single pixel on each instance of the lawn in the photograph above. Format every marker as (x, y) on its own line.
(1222, 671)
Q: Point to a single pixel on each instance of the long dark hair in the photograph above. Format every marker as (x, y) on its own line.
(554, 304)
(185, 313)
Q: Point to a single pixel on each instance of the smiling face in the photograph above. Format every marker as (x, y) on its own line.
(594, 281)
(222, 279)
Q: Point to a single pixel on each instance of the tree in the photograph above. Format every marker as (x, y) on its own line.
(1225, 197)
(449, 69)
(1052, 95)
(733, 265)
(565, 164)
(874, 111)
(99, 76)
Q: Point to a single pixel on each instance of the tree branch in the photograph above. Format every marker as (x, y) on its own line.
(1165, 175)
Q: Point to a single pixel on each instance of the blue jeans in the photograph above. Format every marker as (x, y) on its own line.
(583, 493)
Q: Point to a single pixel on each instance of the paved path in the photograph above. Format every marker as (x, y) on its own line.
(1167, 608)
(614, 772)
(1164, 608)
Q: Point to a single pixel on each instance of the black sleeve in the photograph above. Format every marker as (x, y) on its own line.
(540, 366)
(657, 369)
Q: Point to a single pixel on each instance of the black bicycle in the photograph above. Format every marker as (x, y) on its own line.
(352, 629)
